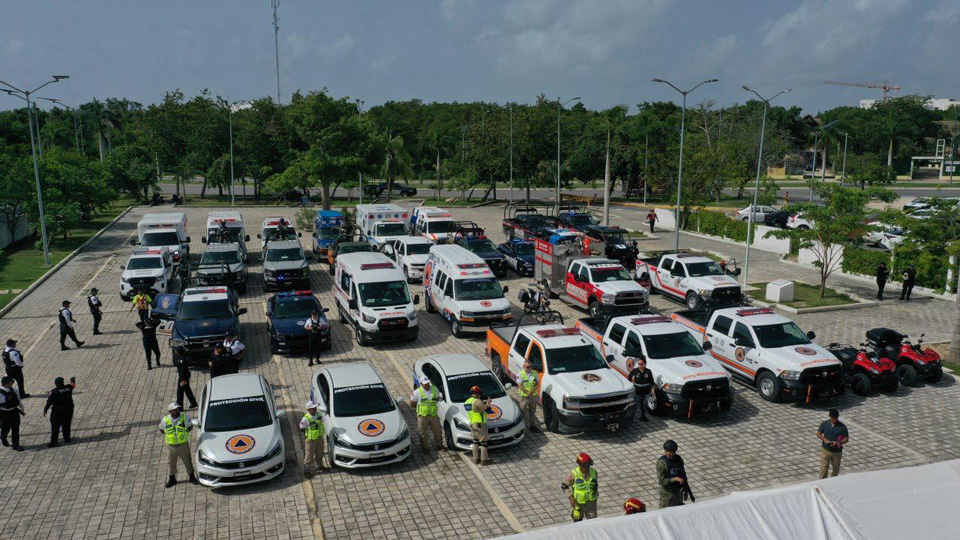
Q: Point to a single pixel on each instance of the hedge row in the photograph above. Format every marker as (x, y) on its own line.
(931, 267)
(717, 224)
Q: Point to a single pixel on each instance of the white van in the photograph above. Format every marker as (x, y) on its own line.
(382, 223)
(167, 230)
(433, 223)
(372, 296)
(459, 285)
(236, 232)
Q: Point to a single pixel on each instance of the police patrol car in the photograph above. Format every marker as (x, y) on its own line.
(453, 375)
(287, 312)
(361, 419)
(239, 440)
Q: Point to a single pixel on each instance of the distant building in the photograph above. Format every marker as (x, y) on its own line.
(936, 104)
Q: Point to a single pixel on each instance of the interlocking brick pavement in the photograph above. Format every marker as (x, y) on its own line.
(108, 483)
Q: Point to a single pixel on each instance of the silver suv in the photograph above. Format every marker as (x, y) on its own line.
(222, 264)
(285, 265)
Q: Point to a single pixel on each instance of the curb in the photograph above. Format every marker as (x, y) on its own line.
(859, 303)
(33, 286)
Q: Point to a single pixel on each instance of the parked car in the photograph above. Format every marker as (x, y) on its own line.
(777, 218)
(920, 203)
(759, 214)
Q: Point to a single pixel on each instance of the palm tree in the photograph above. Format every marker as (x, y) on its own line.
(397, 161)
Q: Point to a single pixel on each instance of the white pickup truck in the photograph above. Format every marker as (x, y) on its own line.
(692, 278)
(577, 390)
(687, 379)
(768, 350)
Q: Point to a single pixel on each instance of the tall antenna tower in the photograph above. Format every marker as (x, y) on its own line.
(276, 40)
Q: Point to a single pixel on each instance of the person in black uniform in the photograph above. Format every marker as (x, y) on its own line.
(60, 400)
(220, 362)
(148, 329)
(909, 280)
(315, 327)
(882, 274)
(66, 326)
(13, 364)
(642, 379)
(96, 309)
(183, 383)
(11, 409)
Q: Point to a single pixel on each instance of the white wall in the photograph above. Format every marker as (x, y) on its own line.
(769, 243)
(807, 256)
(665, 219)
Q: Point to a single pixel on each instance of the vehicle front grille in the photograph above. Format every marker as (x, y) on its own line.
(142, 282)
(820, 375)
(711, 388)
(628, 298)
(242, 464)
(393, 323)
(727, 294)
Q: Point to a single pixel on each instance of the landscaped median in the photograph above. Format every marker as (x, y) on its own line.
(807, 299)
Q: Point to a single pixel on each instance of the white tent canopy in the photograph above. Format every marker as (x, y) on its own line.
(913, 502)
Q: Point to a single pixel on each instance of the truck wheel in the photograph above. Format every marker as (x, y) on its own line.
(341, 315)
(427, 304)
(508, 232)
(693, 300)
(448, 437)
(333, 270)
(907, 374)
(860, 384)
(551, 419)
(769, 387)
(937, 375)
(595, 309)
(455, 328)
(653, 405)
(891, 387)
(804, 228)
(497, 367)
(360, 340)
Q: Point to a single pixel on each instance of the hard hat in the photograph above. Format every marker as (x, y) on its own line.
(174, 406)
(310, 405)
(670, 446)
(634, 506)
(474, 389)
(425, 380)
(584, 459)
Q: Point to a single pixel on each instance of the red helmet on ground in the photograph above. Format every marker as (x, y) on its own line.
(634, 506)
(584, 459)
(474, 389)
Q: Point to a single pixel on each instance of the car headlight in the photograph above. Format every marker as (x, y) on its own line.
(124, 280)
(608, 298)
(269, 273)
(571, 404)
(671, 388)
(412, 316)
(276, 450)
(369, 319)
(790, 375)
(703, 292)
(206, 458)
(461, 425)
(404, 436)
(337, 441)
(177, 343)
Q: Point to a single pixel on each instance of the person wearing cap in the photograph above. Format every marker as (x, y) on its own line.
(314, 435)
(176, 429)
(633, 506)
(60, 400)
(183, 382)
(220, 363)
(11, 409)
(527, 381)
(425, 399)
(582, 488)
(314, 327)
(148, 334)
(833, 435)
(477, 415)
(13, 365)
(671, 476)
(141, 301)
(96, 309)
(66, 326)
(236, 349)
(642, 379)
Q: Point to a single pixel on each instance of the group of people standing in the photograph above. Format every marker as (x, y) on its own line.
(909, 280)
(59, 403)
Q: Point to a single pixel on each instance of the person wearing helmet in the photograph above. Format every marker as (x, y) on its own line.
(582, 489)
(671, 476)
(176, 428)
(424, 399)
(314, 439)
(527, 381)
(96, 309)
(477, 414)
(634, 506)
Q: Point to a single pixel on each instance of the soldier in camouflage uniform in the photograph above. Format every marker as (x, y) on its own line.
(671, 476)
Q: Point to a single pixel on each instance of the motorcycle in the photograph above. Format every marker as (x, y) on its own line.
(913, 361)
(536, 298)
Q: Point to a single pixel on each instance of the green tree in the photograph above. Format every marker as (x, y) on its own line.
(130, 169)
(396, 162)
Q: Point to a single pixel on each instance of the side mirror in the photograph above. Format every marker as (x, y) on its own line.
(508, 386)
(203, 239)
(246, 238)
(281, 414)
(707, 345)
(736, 272)
(188, 240)
(134, 241)
(241, 311)
(122, 267)
(322, 408)
(609, 358)
(506, 289)
(352, 304)
(811, 335)
(416, 299)
(269, 314)
(325, 310)
(195, 422)
(258, 237)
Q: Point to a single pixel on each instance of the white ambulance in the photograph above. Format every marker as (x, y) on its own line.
(459, 285)
(435, 224)
(372, 297)
(169, 230)
(382, 223)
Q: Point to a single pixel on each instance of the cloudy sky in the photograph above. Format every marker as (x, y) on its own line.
(495, 50)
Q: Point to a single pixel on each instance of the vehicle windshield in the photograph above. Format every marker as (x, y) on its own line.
(702, 269)
(354, 248)
(602, 275)
(362, 400)
(328, 233)
(477, 289)
(160, 239)
(296, 307)
(780, 335)
(436, 227)
(233, 234)
(238, 413)
(145, 263)
(384, 293)
(524, 249)
(276, 235)
(615, 238)
(284, 254)
(418, 249)
(459, 386)
(581, 220)
(573, 359)
(205, 309)
(671, 345)
(480, 246)
(391, 229)
(220, 257)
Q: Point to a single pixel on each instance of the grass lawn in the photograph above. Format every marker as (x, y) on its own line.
(22, 263)
(807, 296)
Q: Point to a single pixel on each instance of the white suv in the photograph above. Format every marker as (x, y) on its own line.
(411, 253)
(147, 268)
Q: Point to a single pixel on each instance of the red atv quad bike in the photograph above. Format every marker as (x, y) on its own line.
(913, 361)
(863, 369)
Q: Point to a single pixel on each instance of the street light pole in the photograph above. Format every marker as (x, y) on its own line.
(559, 108)
(36, 167)
(756, 190)
(76, 130)
(276, 41)
(511, 152)
(230, 122)
(683, 119)
(360, 103)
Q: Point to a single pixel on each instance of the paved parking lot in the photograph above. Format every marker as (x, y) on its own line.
(108, 483)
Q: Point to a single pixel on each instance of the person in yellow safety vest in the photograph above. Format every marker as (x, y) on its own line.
(477, 415)
(141, 301)
(527, 381)
(176, 429)
(314, 440)
(582, 489)
(425, 399)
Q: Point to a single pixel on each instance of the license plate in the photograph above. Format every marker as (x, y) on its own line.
(613, 426)
(242, 473)
(377, 454)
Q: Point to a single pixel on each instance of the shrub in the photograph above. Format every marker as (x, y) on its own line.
(863, 261)
(717, 224)
(931, 267)
(304, 219)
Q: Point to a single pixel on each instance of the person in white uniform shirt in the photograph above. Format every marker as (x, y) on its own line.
(66, 326)
(13, 364)
(314, 326)
(96, 309)
(237, 350)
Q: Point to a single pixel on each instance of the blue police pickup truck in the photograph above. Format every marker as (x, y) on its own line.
(205, 316)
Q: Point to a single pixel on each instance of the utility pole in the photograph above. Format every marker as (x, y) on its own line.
(646, 165)
(606, 183)
(276, 41)
(230, 122)
(511, 152)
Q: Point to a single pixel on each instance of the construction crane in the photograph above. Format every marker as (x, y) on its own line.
(885, 86)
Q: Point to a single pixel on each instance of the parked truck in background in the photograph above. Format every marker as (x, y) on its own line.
(691, 278)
